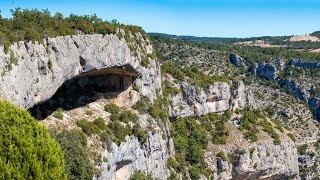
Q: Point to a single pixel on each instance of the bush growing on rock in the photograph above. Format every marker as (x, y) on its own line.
(127, 115)
(26, 149)
(58, 114)
(139, 133)
(194, 173)
(292, 137)
(140, 175)
(142, 105)
(119, 131)
(88, 127)
(74, 145)
(100, 123)
(111, 108)
(190, 139)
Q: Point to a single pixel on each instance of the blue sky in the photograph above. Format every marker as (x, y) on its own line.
(215, 18)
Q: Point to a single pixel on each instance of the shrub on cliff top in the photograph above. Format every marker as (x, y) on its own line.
(35, 25)
(26, 149)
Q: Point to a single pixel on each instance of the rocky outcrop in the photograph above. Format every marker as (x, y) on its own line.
(150, 157)
(237, 60)
(42, 68)
(293, 87)
(262, 160)
(265, 70)
(219, 97)
(279, 63)
(304, 64)
(268, 161)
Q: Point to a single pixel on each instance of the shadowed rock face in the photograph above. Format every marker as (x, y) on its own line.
(265, 70)
(304, 64)
(237, 60)
(86, 88)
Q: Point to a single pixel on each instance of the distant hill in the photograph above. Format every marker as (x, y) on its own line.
(310, 42)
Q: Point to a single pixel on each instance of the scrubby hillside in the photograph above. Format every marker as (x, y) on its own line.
(194, 111)
(275, 81)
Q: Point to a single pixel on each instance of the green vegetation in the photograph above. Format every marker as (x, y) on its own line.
(50, 64)
(88, 127)
(114, 130)
(37, 25)
(251, 153)
(252, 118)
(74, 146)
(316, 33)
(127, 115)
(140, 175)
(292, 137)
(267, 127)
(220, 133)
(58, 114)
(26, 149)
(191, 136)
(297, 72)
(190, 139)
(195, 75)
(169, 88)
(302, 150)
(251, 54)
(34, 25)
(139, 133)
(119, 131)
(278, 124)
(194, 173)
(13, 60)
(249, 122)
(222, 156)
(158, 110)
(142, 105)
(100, 123)
(111, 108)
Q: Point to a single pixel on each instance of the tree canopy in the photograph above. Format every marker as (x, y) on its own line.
(26, 149)
(35, 25)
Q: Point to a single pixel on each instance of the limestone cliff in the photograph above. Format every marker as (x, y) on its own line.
(219, 97)
(40, 69)
(32, 74)
(261, 160)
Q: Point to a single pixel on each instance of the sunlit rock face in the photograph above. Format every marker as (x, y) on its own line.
(42, 68)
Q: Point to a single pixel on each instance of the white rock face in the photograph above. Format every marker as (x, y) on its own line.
(130, 155)
(263, 160)
(43, 68)
(218, 98)
(269, 160)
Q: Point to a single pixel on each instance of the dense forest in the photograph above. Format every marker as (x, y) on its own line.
(250, 53)
(273, 40)
(35, 25)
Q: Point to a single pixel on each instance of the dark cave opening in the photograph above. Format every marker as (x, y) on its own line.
(86, 88)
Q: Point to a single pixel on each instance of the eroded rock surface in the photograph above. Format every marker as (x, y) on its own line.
(131, 155)
(42, 68)
(219, 97)
(265, 70)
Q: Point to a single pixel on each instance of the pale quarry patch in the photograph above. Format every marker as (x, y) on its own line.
(305, 38)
